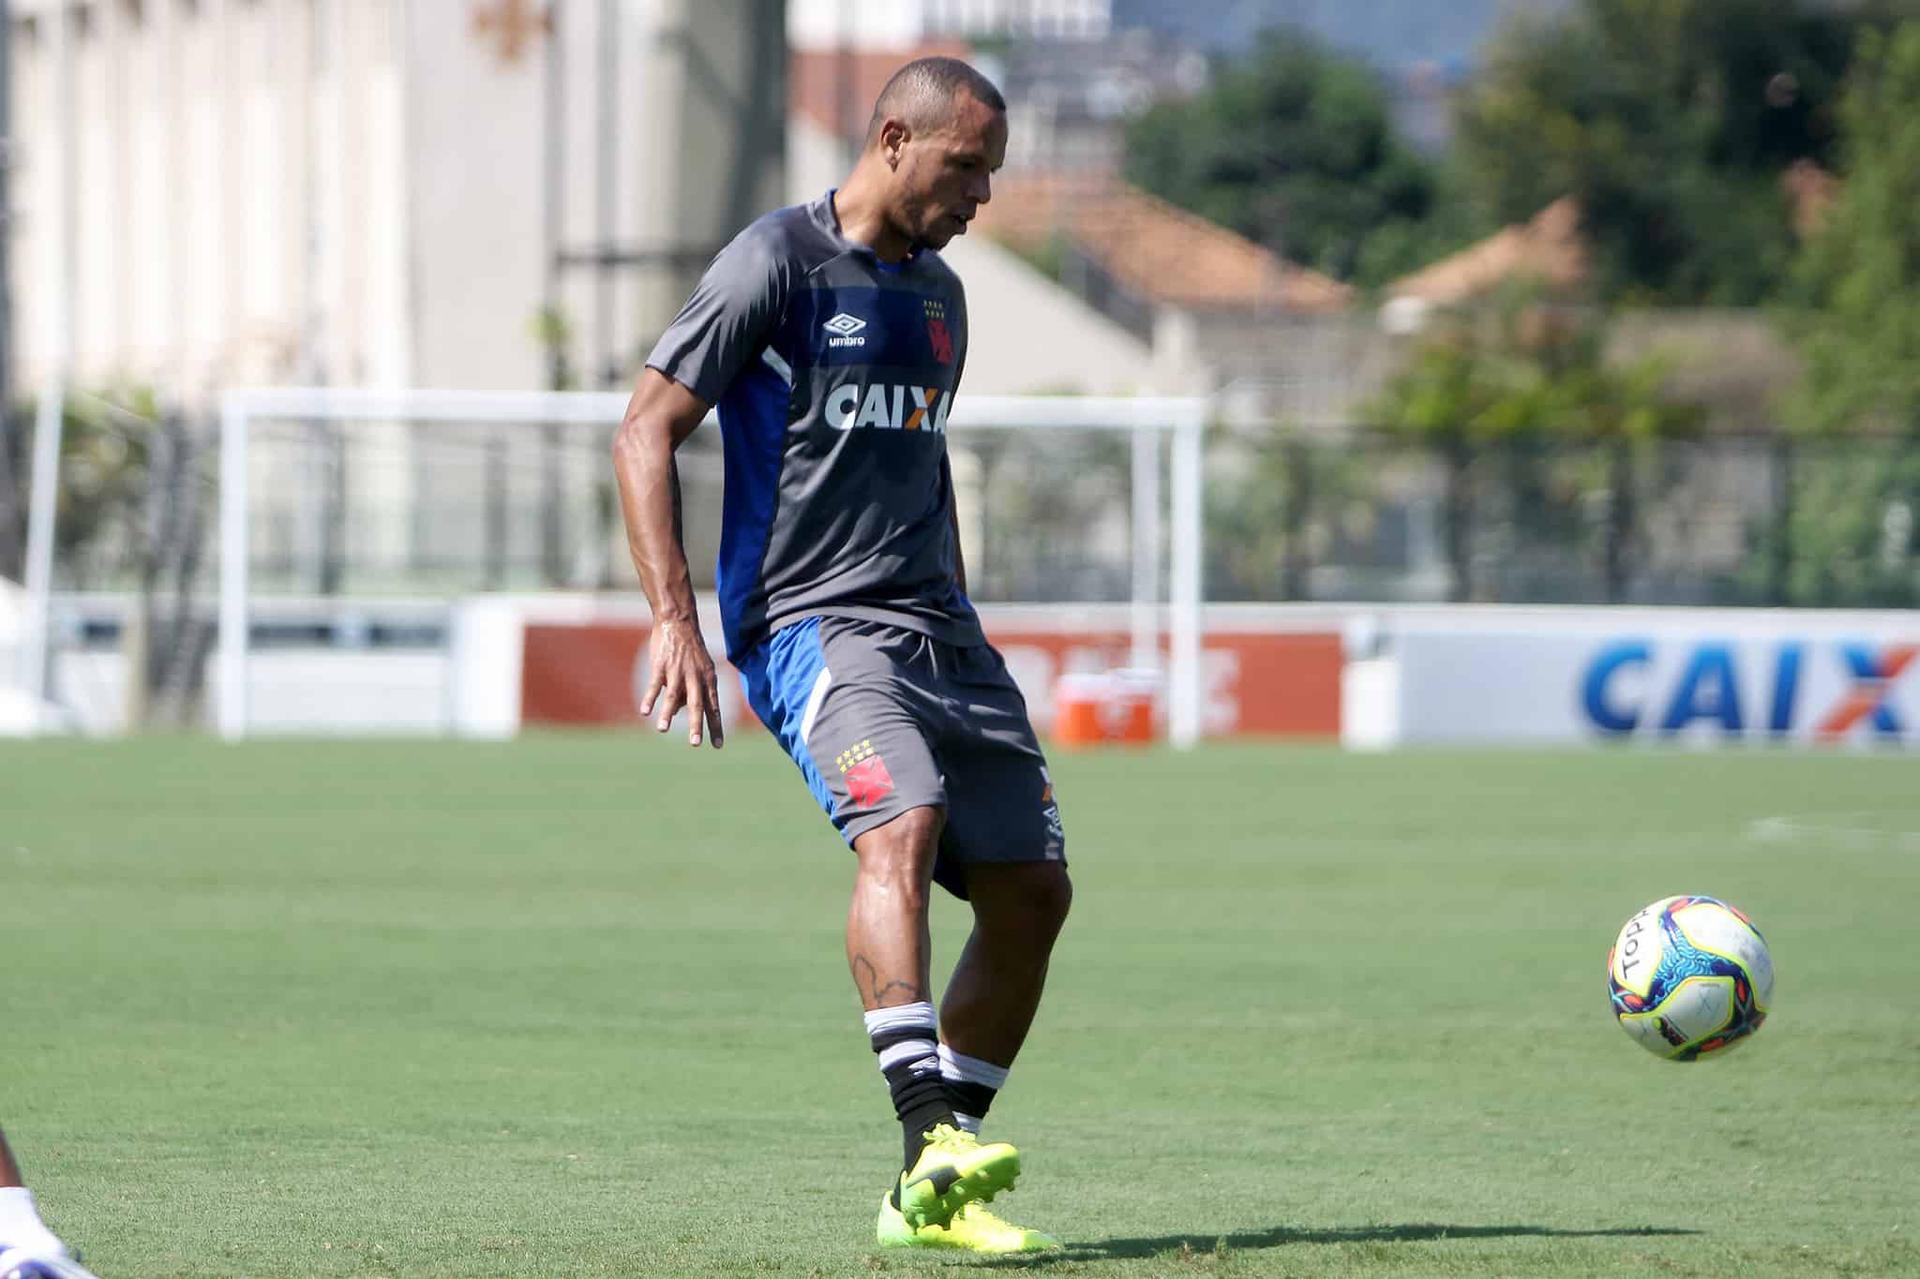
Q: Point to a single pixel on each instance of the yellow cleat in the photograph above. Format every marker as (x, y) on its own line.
(954, 1170)
(973, 1229)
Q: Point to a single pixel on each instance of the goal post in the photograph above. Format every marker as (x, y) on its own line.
(1164, 435)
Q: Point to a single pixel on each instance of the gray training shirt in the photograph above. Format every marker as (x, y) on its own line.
(832, 372)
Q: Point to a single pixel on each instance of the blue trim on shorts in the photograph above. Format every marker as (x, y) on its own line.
(780, 674)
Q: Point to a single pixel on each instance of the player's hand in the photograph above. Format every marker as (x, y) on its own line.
(683, 676)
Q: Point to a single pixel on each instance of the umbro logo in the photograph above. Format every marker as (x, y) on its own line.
(844, 328)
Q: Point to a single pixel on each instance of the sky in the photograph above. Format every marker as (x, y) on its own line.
(1390, 33)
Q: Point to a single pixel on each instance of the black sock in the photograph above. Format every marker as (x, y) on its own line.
(905, 1040)
(972, 1084)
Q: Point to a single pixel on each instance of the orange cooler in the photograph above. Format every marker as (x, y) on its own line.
(1093, 709)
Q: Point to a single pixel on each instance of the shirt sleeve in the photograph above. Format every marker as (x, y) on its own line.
(728, 320)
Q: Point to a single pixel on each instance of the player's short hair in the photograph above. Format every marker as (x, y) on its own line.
(923, 92)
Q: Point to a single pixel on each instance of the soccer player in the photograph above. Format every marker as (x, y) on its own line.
(27, 1248)
(831, 337)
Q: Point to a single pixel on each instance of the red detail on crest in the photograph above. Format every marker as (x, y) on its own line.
(869, 782)
(941, 339)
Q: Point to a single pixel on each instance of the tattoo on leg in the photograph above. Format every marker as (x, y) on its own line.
(867, 978)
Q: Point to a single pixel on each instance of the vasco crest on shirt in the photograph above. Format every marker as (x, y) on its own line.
(937, 332)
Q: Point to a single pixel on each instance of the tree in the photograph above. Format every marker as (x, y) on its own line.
(13, 506)
(1858, 281)
(1852, 536)
(1671, 122)
(1504, 383)
(103, 475)
(1292, 147)
(134, 489)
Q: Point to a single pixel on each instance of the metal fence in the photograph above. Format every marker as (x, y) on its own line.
(1741, 520)
(1312, 516)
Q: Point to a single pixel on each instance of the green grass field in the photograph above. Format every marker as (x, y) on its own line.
(576, 1006)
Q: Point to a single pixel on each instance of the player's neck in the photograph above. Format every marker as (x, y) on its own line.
(861, 212)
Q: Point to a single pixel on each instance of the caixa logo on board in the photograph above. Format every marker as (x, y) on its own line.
(1825, 690)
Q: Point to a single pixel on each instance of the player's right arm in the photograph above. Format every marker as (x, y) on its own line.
(722, 328)
(662, 414)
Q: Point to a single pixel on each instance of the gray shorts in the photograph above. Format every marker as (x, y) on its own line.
(881, 720)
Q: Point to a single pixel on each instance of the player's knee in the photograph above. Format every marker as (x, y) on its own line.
(902, 851)
(1026, 901)
(1053, 898)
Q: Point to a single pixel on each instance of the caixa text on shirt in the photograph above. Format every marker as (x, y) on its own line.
(887, 406)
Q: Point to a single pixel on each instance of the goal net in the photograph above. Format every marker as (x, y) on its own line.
(385, 555)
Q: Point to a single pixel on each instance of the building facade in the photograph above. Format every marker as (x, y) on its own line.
(375, 192)
(901, 23)
(478, 194)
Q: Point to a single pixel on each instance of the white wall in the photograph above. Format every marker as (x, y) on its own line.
(235, 186)
(305, 691)
(896, 24)
(352, 191)
(475, 233)
(1028, 335)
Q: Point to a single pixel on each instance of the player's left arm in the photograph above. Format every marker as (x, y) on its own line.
(953, 494)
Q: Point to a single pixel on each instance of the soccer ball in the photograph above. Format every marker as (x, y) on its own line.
(1689, 975)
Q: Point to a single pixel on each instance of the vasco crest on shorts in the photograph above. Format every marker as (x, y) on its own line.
(865, 773)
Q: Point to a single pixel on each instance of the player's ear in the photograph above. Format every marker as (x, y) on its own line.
(894, 135)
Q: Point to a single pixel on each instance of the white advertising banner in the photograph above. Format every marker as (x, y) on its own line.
(1660, 675)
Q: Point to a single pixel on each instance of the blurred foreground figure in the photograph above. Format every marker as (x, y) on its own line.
(28, 1250)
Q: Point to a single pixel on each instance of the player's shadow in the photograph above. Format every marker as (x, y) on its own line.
(1281, 1236)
